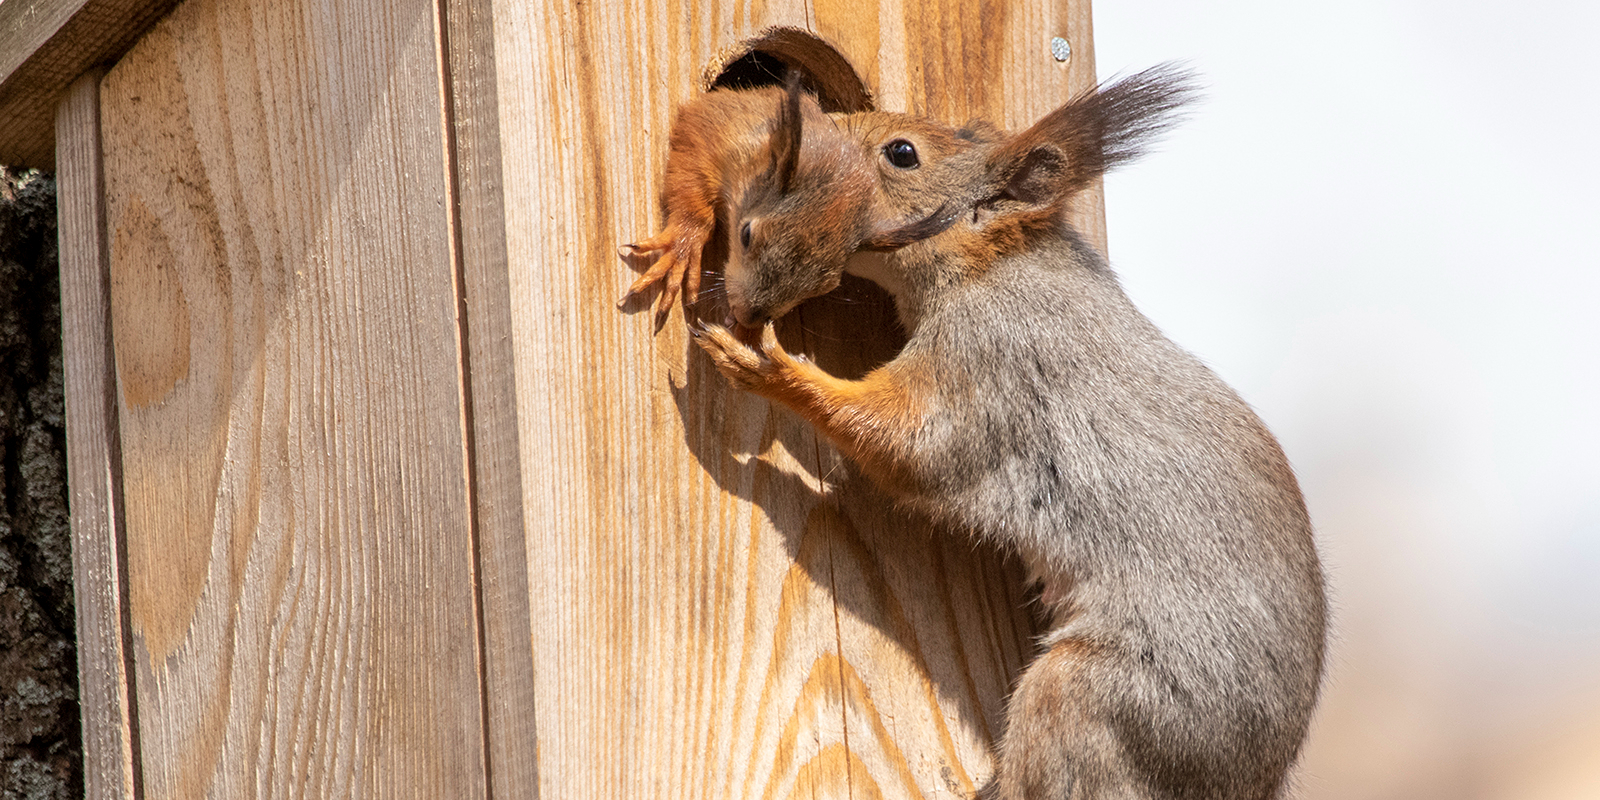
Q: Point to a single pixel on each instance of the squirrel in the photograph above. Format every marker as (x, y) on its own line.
(796, 178)
(736, 154)
(1036, 408)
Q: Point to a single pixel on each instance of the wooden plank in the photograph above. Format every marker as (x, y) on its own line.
(44, 46)
(93, 460)
(496, 471)
(285, 316)
(717, 613)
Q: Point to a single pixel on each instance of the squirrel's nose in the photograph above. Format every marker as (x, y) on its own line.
(750, 317)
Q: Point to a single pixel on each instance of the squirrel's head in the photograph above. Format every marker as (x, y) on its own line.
(828, 187)
(805, 210)
(931, 176)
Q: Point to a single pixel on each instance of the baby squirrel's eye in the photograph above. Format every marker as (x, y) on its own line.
(744, 235)
(901, 153)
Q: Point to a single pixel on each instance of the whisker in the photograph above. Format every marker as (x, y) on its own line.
(835, 468)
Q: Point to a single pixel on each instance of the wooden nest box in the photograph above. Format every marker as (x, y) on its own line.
(376, 494)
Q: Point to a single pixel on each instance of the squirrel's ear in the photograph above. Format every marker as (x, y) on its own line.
(1075, 144)
(1035, 176)
(784, 143)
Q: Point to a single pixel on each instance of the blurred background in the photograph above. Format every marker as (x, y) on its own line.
(1379, 225)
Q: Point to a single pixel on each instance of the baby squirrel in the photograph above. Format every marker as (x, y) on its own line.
(796, 178)
(1035, 407)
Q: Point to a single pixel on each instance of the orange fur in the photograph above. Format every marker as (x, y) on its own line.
(713, 145)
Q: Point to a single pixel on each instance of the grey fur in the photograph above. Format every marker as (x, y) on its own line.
(1161, 516)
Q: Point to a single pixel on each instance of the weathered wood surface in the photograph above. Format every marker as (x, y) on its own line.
(711, 616)
(290, 393)
(412, 510)
(497, 472)
(44, 46)
(93, 462)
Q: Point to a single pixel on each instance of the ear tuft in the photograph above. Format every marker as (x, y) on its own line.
(1038, 178)
(1075, 144)
(786, 133)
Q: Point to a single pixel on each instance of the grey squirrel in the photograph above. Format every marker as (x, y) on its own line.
(1036, 408)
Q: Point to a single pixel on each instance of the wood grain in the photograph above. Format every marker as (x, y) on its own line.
(44, 46)
(93, 459)
(496, 471)
(717, 612)
(386, 444)
(288, 355)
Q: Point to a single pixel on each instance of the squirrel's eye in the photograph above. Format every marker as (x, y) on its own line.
(744, 235)
(901, 153)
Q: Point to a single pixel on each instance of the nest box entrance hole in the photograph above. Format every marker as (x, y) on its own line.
(765, 59)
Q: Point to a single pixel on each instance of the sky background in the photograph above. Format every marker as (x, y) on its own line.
(1379, 226)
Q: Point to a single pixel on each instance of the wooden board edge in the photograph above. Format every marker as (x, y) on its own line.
(99, 563)
(488, 363)
(1088, 209)
(45, 45)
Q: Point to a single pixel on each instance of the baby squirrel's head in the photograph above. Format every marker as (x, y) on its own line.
(798, 217)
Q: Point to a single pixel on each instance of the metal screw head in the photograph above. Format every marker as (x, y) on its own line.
(1060, 49)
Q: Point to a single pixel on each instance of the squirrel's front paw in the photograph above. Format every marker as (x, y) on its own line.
(761, 369)
(678, 266)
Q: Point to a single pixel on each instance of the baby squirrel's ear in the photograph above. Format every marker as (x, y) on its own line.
(1075, 144)
(784, 144)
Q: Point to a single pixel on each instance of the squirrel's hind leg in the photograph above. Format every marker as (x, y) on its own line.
(1061, 743)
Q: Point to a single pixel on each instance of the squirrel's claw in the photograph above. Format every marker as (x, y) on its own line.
(677, 268)
(651, 275)
(769, 341)
(659, 241)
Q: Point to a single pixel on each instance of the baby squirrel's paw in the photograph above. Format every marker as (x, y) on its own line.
(763, 369)
(678, 266)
